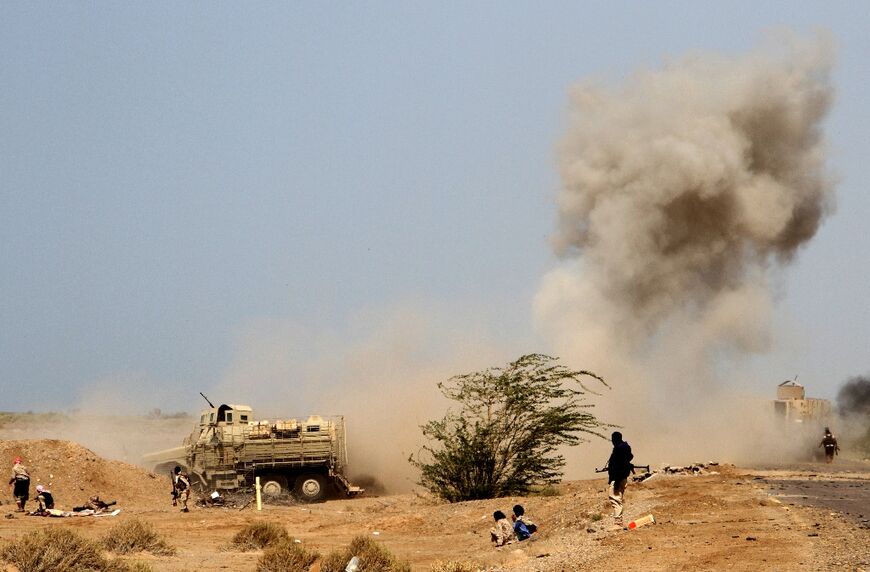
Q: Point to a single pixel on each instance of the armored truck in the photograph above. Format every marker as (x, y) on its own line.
(228, 449)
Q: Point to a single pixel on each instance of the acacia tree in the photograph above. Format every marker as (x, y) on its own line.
(510, 424)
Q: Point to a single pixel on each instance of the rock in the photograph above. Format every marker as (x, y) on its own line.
(751, 538)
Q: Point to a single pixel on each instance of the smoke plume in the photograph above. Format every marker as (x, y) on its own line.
(684, 191)
(853, 398)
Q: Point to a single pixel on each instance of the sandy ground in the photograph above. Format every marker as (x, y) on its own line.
(728, 520)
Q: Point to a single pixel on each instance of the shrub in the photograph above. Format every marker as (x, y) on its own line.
(547, 491)
(260, 535)
(139, 566)
(454, 566)
(136, 536)
(509, 431)
(52, 549)
(286, 556)
(372, 558)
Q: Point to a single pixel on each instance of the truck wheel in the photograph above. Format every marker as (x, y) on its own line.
(273, 486)
(310, 488)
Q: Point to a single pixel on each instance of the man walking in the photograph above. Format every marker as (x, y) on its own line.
(182, 489)
(20, 482)
(618, 469)
(829, 442)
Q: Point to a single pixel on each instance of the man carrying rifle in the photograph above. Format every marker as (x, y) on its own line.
(180, 489)
(618, 468)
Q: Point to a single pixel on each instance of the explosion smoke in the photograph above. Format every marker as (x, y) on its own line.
(853, 398)
(683, 192)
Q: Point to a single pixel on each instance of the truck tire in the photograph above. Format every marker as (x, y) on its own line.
(273, 485)
(311, 487)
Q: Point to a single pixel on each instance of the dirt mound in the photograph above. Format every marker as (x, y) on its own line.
(74, 473)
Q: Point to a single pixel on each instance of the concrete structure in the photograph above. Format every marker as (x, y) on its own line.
(792, 404)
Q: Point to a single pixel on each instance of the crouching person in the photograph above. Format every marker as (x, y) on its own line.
(523, 527)
(502, 533)
(44, 499)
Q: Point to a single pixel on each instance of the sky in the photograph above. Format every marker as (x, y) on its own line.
(207, 196)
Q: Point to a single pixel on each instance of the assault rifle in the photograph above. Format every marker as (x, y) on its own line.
(633, 467)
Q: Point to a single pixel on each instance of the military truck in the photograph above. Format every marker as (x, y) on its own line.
(228, 449)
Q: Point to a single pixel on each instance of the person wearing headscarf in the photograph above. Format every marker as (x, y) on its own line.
(20, 482)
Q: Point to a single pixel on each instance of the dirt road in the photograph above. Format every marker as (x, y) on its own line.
(725, 520)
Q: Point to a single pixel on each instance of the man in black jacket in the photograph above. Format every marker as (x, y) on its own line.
(618, 469)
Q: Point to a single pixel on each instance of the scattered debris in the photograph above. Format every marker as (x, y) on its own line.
(693, 469)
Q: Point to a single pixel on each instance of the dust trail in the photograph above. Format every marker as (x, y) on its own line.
(684, 192)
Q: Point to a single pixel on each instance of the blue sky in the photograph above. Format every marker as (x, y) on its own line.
(172, 175)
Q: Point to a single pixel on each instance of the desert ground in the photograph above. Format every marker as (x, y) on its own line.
(796, 517)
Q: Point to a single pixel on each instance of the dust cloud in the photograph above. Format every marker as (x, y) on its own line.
(685, 192)
(379, 371)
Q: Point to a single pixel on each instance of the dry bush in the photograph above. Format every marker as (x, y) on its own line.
(286, 556)
(136, 536)
(372, 558)
(52, 549)
(259, 535)
(139, 566)
(454, 566)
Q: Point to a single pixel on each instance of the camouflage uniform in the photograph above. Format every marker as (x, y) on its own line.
(502, 533)
(182, 488)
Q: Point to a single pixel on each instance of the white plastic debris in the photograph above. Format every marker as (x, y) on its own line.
(353, 565)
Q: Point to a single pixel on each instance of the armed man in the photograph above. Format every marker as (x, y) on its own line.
(181, 489)
(829, 442)
(618, 468)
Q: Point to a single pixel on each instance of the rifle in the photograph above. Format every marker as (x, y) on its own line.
(633, 467)
(174, 492)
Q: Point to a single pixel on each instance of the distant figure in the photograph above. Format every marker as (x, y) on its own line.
(20, 482)
(182, 488)
(829, 442)
(618, 469)
(44, 499)
(523, 527)
(502, 533)
(95, 504)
